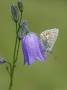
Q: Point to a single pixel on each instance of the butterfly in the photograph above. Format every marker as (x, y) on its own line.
(48, 38)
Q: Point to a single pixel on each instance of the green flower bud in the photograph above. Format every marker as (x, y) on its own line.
(20, 6)
(15, 13)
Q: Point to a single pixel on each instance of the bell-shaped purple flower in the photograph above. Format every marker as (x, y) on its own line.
(32, 48)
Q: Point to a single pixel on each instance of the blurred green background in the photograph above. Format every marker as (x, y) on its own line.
(41, 15)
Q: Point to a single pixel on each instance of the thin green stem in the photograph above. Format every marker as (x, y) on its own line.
(15, 55)
(18, 50)
(18, 39)
(13, 64)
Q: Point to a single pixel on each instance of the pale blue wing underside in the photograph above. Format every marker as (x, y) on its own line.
(49, 37)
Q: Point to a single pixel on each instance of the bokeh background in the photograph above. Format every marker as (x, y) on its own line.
(41, 15)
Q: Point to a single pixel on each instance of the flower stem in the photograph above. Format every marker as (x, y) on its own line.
(18, 49)
(15, 55)
(13, 64)
(18, 39)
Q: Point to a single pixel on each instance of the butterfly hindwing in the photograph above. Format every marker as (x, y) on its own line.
(49, 37)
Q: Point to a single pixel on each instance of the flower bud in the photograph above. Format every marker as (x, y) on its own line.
(2, 61)
(15, 13)
(20, 6)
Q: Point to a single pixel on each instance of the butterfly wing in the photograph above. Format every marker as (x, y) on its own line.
(49, 37)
